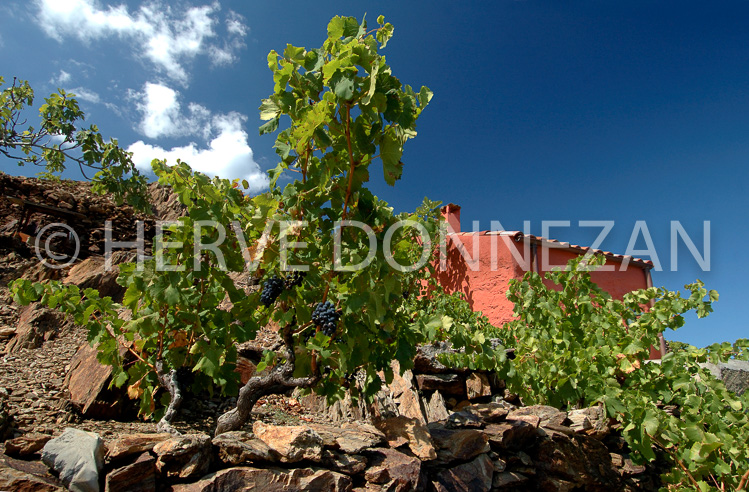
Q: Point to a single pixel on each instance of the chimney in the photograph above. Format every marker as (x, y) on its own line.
(451, 213)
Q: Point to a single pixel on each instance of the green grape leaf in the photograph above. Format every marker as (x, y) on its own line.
(342, 83)
(390, 152)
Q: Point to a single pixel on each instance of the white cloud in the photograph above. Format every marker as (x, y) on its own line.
(226, 54)
(62, 78)
(83, 94)
(167, 38)
(228, 155)
(162, 114)
(160, 110)
(221, 56)
(235, 24)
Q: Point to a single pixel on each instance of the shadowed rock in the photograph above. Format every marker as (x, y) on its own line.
(262, 479)
(475, 476)
(139, 476)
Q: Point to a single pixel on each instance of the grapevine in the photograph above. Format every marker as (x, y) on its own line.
(338, 114)
(577, 346)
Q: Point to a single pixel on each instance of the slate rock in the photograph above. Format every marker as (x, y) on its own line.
(350, 464)
(78, 457)
(328, 434)
(583, 460)
(91, 273)
(22, 475)
(474, 476)
(629, 469)
(579, 422)
(88, 384)
(387, 465)
(477, 386)
(6, 419)
(366, 428)
(409, 405)
(352, 439)
(734, 374)
(131, 444)
(251, 479)
(292, 442)
(403, 430)
(554, 484)
(436, 409)
(140, 476)
(591, 421)
(426, 361)
(36, 324)
(511, 435)
(401, 382)
(26, 445)
(447, 384)
(488, 412)
(464, 420)
(545, 413)
(184, 456)
(458, 444)
(533, 420)
(238, 447)
(508, 479)
(16, 480)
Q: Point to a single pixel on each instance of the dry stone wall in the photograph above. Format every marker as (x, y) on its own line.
(91, 211)
(484, 447)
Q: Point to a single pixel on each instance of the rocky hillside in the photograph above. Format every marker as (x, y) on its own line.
(44, 202)
(432, 428)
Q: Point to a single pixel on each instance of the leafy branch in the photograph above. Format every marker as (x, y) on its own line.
(59, 140)
(578, 346)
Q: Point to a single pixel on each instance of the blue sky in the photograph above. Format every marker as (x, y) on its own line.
(587, 111)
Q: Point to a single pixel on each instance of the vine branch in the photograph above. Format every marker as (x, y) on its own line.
(743, 482)
(352, 163)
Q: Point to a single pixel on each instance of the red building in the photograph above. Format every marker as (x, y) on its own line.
(481, 264)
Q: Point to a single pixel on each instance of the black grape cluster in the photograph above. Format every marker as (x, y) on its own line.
(272, 288)
(295, 279)
(326, 317)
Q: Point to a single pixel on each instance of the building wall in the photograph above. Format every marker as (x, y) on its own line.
(490, 261)
(484, 287)
(619, 281)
